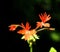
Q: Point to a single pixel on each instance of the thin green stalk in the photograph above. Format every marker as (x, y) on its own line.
(31, 50)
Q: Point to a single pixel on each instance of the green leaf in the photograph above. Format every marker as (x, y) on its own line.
(52, 49)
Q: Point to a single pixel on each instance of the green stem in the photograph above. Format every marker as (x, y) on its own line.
(31, 50)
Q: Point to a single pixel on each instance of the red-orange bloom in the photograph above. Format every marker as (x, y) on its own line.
(26, 31)
(13, 27)
(44, 18)
(27, 27)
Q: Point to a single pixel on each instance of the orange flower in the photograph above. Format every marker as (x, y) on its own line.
(26, 32)
(25, 28)
(13, 27)
(44, 18)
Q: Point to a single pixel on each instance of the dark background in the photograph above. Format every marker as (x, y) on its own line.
(17, 11)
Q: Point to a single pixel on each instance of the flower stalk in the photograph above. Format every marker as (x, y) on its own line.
(31, 48)
(45, 29)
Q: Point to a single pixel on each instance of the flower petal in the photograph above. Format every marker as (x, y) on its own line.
(32, 38)
(22, 25)
(13, 27)
(48, 18)
(21, 32)
(35, 36)
(27, 26)
(46, 25)
(39, 24)
(44, 17)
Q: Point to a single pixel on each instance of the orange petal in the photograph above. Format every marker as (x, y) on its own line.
(39, 24)
(32, 32)
(48, 18)
(21, 32)
(13, 27)
(46, 25)
(27, 26)
(22, 25)
(27, 36)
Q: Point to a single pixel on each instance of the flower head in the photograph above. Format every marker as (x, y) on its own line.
(26, 32)
(44, 18)
(25, 28)
(13, 27)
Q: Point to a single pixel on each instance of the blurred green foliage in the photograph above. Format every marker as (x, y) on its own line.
(55, 37)
(28, 7)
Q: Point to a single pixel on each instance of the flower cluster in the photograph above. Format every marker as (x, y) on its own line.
(31, 34)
